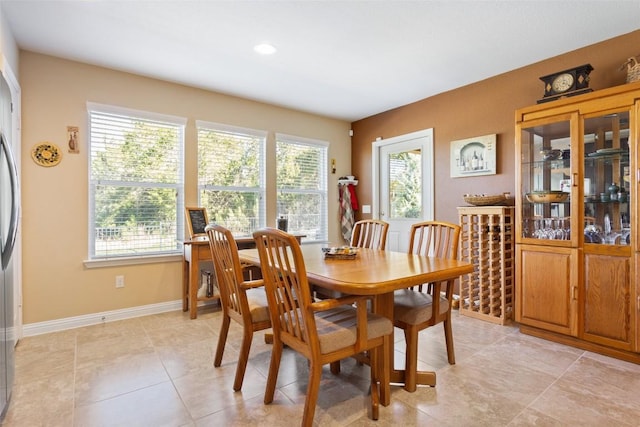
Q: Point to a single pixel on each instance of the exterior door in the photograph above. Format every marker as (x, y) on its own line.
(403, 175)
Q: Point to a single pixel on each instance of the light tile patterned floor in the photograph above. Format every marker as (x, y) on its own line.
(158, 371)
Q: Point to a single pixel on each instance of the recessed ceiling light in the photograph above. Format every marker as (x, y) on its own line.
(265, 49)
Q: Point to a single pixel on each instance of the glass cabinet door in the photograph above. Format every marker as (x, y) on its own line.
(548, 181)
(606, 170)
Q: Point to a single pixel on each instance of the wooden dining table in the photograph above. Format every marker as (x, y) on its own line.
(377, 273)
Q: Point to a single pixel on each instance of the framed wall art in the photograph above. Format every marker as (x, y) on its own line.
(72, 137)
(473, 156)
(197, 221)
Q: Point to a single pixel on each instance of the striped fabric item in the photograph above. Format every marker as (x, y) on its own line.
(346, 213)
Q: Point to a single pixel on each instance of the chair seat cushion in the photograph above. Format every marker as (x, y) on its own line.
(324, 293)
(414, 307)
(337, 328)
(258, 306)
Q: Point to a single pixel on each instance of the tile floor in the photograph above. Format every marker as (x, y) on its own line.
(158, 371)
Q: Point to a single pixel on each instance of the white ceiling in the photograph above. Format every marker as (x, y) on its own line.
(342, 59)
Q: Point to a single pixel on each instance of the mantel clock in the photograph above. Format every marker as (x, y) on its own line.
(573, 81)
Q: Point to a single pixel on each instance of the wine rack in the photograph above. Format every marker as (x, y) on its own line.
(487, 241)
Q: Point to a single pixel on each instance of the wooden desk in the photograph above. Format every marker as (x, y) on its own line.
(378, 273)
(195, 251)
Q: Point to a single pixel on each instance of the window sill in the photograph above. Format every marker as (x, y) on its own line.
(114, 262)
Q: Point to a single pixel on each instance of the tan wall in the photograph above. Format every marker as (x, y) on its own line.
(56, 284)
(486, 107)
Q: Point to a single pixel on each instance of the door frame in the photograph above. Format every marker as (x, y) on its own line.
(428, 186)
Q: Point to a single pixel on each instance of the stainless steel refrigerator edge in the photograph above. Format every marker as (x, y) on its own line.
(9, 204)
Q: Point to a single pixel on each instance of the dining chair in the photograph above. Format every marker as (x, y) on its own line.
(427, 305)
(323, 331)
(369, 233)
(244, 301)
(372, 234)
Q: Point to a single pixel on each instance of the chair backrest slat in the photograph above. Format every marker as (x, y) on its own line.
(435, 238)
(369, 233)
(228, 270)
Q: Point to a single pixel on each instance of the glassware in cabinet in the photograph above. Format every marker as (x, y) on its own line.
(546, 180)
(606, 167)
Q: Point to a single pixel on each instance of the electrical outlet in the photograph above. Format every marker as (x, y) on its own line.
(119, 281)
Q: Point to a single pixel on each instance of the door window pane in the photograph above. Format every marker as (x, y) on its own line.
(405, 184)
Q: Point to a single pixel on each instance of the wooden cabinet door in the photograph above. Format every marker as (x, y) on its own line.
(606, 314)
(546, 295)
(635, 302)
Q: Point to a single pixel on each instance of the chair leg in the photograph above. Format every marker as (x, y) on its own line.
(375, 383)
(385, 375)
(245, 347)
(375, 399)
(411, 359)
(222, 340)
(315, 375)
(362, 358)
(274, 367)
(268, 338)
(448, 337)
(335, 367)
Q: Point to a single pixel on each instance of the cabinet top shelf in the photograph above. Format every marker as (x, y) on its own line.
(624, 94)
(564, 163)
(607, 156)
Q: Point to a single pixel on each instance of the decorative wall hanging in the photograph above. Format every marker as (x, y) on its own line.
(46, 154)
(473, 156)
(72, 137)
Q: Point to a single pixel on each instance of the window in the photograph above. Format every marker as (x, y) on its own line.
(136, 196)
(231, 178)
(301, 170)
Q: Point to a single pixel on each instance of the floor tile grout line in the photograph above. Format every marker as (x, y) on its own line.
(542, 398)
(75, 375)
(553, 383)
(171, 379)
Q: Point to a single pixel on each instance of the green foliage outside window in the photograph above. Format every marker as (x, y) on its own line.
(230, 179)
(405, 185)
(301, 185)
(135, 184)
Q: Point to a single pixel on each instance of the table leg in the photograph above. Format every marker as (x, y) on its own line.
(185, 284)
(422, 377)
(193, 288)
(384, 306)
(192, 279)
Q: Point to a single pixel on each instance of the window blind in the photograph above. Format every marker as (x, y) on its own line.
(231, 177)
(301, 180)
(136, 194)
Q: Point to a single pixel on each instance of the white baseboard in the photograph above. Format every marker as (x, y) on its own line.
(57, 325)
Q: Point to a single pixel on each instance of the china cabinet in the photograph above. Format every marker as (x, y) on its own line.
(577, 242)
